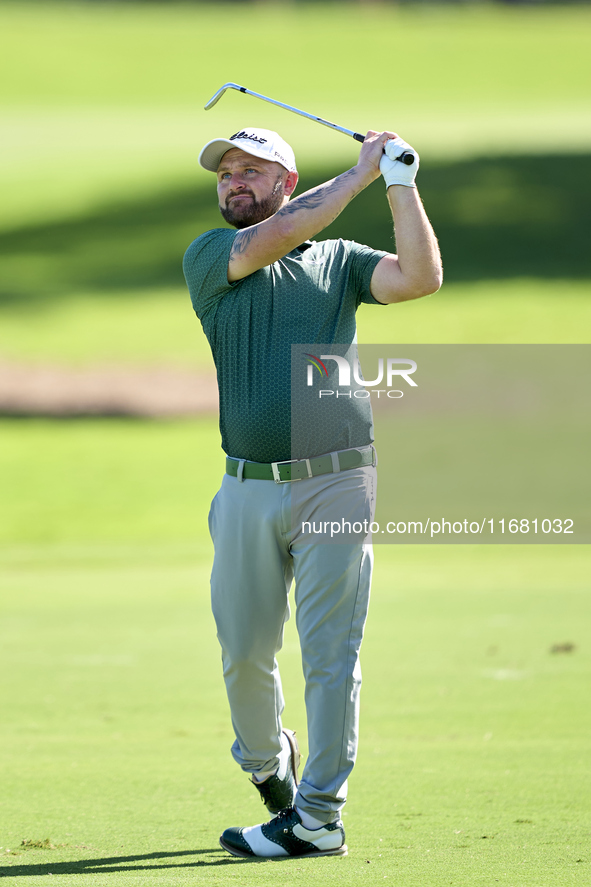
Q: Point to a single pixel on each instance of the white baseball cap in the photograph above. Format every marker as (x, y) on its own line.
(262, 143)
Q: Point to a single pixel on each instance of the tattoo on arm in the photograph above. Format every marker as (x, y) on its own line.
(315, 198)
(242, 241)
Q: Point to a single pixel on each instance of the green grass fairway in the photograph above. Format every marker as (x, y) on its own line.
(96, 481)
(474, 756)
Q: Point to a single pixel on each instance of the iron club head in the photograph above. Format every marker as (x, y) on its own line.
(215, 99)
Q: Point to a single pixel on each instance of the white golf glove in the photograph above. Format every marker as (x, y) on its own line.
(394, 171)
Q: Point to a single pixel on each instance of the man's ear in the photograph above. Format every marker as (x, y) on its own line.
(290, 183)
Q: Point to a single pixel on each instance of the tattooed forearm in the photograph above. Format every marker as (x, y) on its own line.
(275, 235)
(242, 241)
(315, 198)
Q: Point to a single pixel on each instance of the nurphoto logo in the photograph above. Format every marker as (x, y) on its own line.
(397, 368)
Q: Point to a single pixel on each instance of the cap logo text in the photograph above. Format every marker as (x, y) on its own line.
(244, 135)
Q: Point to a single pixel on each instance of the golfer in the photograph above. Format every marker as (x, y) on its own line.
(258, 288)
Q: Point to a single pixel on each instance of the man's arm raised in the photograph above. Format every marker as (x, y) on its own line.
(416, 269)
(304, 216)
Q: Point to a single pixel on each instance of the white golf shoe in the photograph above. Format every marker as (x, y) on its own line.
(285, 836)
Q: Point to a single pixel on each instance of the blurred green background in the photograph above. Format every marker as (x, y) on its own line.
(115, 727)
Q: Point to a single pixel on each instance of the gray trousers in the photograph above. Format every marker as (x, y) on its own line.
(256, 527)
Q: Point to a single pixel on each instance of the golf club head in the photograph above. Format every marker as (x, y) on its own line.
(215, 99)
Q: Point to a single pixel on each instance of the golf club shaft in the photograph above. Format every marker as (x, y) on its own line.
(406, 157)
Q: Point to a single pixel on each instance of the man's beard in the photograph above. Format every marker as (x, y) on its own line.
(253, 211)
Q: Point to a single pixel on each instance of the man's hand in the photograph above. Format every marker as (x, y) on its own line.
(372, 152)
(394, 171)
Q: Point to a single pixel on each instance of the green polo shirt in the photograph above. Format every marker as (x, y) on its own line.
(309, 296)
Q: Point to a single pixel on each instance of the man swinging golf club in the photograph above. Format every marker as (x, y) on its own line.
(257, 290)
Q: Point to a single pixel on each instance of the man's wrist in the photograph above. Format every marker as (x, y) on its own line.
(401, 185)
(367, 174)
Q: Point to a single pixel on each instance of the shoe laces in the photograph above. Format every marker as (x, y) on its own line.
(285, 814)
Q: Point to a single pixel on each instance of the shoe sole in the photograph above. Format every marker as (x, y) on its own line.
(340, 851)
(295, 756)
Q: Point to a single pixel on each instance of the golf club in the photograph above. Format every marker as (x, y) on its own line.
(407, 157)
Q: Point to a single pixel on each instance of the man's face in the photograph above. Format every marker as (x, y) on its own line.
(250, 189)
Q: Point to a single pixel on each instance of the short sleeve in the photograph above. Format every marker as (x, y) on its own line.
(205, 266)
(362, 261)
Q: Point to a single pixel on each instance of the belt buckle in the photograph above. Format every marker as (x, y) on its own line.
(277, 476)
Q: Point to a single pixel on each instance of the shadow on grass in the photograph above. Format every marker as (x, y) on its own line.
(116, 864)
(496, 218)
